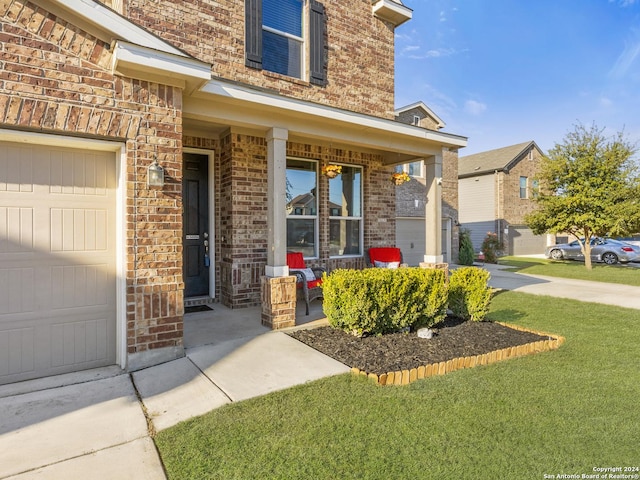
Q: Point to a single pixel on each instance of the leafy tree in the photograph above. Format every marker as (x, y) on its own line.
(589, 188)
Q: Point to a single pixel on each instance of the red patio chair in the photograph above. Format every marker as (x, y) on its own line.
(309, 281)
(387, 257)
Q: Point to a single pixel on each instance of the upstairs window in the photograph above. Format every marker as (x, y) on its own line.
(535, 188)
(282, 40)
(286, 37)
(523, 187)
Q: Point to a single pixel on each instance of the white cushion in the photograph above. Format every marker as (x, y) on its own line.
(309, 275)
(386, 264)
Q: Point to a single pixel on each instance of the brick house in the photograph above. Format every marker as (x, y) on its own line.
(411, 196)
(99, 253)
(496, 189)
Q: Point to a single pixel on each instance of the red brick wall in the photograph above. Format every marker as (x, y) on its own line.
(360, 53)
(55, 79)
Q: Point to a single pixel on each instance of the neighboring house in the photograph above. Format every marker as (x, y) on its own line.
(99, 254)
(411, 196)
(496, 190)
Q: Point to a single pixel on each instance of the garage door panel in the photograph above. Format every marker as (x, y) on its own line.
(16, 169)
(16, 229)
(77, 230)
(57, 261)
(17, 349)
(80, 286)
(79, 342)
(17, 290)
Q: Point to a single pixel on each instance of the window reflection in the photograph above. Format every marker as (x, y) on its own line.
(302, 212)
(345, 212)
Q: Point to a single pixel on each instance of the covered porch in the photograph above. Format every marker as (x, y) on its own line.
(257, 137)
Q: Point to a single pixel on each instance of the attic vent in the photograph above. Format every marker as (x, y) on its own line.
(416, 120)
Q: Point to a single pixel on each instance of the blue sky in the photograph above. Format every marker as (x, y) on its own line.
(502, 72)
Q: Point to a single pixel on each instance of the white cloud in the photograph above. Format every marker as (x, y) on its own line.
(474, 108)
(433, 53)
(628, 56)
(624, 3)
(606, 102)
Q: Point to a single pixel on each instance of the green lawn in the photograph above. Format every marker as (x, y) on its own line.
(560, 412)
(624, 274)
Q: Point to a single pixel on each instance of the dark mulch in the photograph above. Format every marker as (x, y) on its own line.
(453, 338)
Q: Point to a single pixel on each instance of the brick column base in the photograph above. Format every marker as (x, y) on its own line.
(439, 266)
(278, 295)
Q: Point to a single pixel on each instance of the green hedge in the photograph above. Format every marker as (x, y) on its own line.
(379, 300)
(469, 293)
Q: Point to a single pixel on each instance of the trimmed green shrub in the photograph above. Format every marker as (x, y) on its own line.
(492, 248)
(466, 255)
(469, 293)
(381, 300)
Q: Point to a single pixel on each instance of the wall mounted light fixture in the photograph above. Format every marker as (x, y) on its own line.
(155, 175)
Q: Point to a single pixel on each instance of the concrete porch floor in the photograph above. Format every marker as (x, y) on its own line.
(222, 323)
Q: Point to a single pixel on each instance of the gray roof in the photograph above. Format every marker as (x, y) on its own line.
(492, 160)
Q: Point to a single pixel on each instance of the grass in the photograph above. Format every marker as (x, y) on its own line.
(622, 274)
(560, 412)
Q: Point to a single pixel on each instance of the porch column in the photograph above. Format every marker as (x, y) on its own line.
(278, 289)
(433, 211)
(277, 203)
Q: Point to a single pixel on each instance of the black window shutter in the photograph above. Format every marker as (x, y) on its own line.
(317, 22)
(253, 33)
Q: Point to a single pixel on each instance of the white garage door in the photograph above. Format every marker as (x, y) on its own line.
(57, 261)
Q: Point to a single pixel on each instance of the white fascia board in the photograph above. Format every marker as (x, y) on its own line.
(119, 27)
(141, 62)
(394, 132)
(391, 11)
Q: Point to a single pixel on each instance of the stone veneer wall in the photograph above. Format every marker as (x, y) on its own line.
(360, 71)
(56, 79)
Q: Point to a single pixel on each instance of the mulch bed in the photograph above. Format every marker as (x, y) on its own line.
(452, 339)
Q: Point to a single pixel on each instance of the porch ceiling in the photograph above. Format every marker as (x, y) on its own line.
(220, 105)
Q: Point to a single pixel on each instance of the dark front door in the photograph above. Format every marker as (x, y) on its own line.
(196, 240)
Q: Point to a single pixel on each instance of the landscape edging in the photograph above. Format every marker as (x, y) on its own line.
(405, 377)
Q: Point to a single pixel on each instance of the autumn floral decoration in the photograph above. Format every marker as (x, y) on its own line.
(332, 171)
(400, 177)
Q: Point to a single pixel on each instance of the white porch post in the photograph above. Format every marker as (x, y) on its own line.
(277, 203)
(433, 210)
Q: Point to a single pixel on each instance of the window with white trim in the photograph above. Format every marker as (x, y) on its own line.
(345, 212)
(523, 187)
(282, 37)
(286, 37)
(414, 168)
(302, 207)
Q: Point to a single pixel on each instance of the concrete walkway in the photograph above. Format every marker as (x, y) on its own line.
(582, 290)
(98, 424)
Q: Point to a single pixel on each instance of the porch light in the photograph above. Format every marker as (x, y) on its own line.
(155, 175)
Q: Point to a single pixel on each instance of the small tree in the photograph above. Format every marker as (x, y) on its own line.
(492, 247)
(466, 254)
(589, 188)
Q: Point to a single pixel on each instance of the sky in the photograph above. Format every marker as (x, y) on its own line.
(502, 72)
